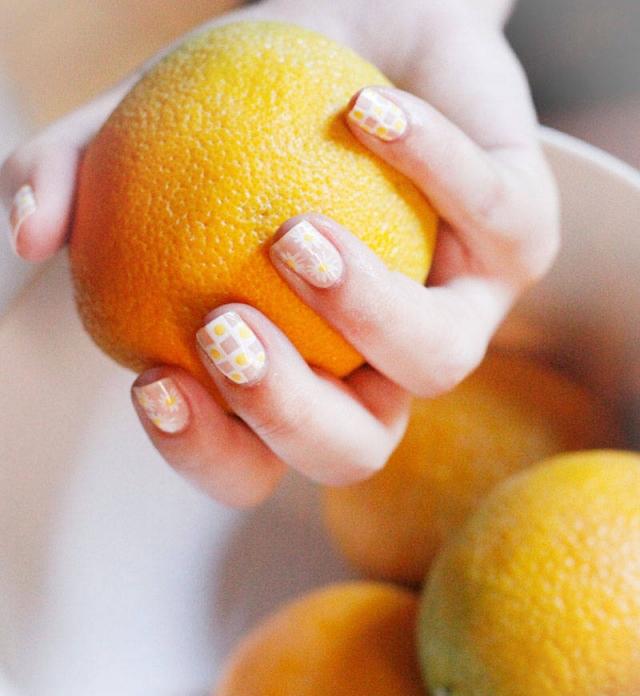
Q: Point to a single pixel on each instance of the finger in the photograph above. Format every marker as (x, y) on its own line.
(311, 421)
(37, 182)
(503, 197)
(211, 448)
(424, 339)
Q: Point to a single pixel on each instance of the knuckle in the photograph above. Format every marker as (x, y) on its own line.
(355, 466)
(489, 209)
(281, 421)
(541, 246)
(461, 357)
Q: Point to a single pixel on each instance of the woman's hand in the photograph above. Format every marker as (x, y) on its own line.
(466, 135)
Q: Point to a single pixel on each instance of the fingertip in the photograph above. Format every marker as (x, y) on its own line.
(201, 442)
(377, 116)
(38, 184)
(161, 402)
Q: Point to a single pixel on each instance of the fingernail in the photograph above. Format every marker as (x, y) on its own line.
(24, 205)
(378, 115)
(164, 405)
(310, 254)
(233, 348)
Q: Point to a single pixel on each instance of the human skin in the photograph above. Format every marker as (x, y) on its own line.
(469, 144)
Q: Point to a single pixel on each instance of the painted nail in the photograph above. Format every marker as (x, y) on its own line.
(164, 405)
(233, 348)
(24, 205)
(310, 254)
(378, 115)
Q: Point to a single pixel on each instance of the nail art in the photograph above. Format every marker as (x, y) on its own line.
(233, 348)
(310, 254)
(24, 205)
(164, 405)
(378, 115)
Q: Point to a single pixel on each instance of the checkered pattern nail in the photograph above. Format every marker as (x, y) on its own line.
(24, 205)
(233, 348)
(378, 115)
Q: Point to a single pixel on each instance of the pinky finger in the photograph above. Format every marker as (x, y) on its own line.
(211, 448)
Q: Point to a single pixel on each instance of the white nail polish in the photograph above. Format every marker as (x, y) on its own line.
(164, 405)
(233, 348)
(24, 205)
(378, 115)
(310, 254)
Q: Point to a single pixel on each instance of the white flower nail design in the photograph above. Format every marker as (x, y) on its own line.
(310, 254)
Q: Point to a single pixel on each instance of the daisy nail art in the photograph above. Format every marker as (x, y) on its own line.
(164, 405)
(378, 115)
(24, 205)
(309, 254)
(233, 348)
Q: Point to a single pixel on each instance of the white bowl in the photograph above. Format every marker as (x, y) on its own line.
(117, 578)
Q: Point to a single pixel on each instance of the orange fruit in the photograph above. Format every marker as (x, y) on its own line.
(539, 594)
(509, 414)
(353, 639)
(222, 141)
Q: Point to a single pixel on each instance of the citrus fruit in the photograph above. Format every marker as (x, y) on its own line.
(353, 639)
(539, 594)
(509, 414)
(217, 145)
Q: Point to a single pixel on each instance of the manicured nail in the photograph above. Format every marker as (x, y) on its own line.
(24, 205)
(164, 405)
(378, 115)
(310, 254)
(233, 348)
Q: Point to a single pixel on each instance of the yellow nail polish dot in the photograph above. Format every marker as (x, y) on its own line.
(292, 264)
(377, 111)
(244, 331)
(170, 400)
(381, 131)
(357, 114)
(308, 236)
(236, 377)
(259, 359)
(215, 353)
(322, 268)
(398, 125)
(219, 329)
(241, 360)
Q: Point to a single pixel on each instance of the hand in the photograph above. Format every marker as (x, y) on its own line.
(468, 141)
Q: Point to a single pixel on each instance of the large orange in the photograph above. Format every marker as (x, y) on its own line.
(227, 137)
(354, 639)
(539, 594)
(509, 414)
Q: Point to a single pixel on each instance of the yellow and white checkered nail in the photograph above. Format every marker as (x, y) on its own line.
(24, 205)
(233, 348)
(164, 405)
(378, 115)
